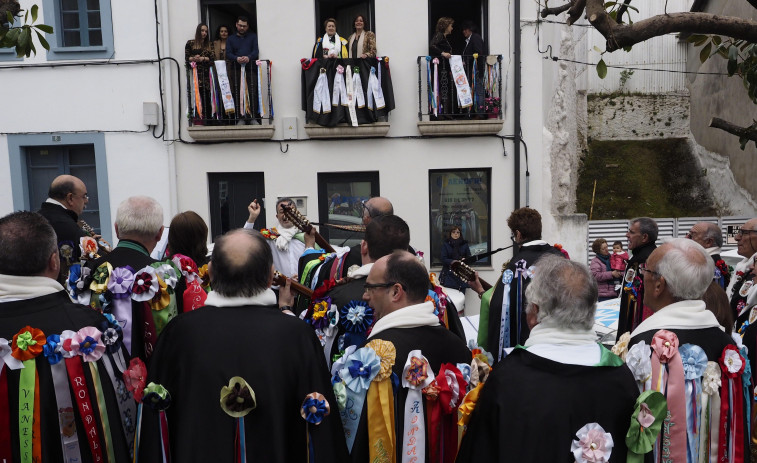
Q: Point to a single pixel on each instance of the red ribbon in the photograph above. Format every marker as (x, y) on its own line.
(194, 296)
(307, 63)
(87, 413)
(731, 385)
(164, 437)
(5, 418)
(150, 333)
(434, 429)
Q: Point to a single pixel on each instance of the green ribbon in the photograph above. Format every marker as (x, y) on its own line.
(640, 440)
(483, 320)
(26, 405)
(608, 358)
(103, 410)
(24, 340)
(131, 245)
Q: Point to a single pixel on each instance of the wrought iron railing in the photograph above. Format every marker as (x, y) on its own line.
(443, 93)
(229, 93)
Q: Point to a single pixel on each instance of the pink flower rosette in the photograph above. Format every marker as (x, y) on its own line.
(665, 344)
(186, 266)
(145, 285)
(593, 445)
(135, 378)
(121, 281)
(86, 342)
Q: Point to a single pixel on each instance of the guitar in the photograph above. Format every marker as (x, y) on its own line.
(466, 273)
(301, 222)
(281, 280)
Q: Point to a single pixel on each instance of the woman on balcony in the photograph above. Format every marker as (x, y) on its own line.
(219, 44)
(440, 46)
(199, 56)
(330, 45)
(362, 43)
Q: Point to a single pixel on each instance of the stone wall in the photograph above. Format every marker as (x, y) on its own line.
(637, 117)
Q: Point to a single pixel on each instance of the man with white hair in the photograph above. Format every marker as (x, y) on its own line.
(710, 237)
(540, 396)
(741, 291)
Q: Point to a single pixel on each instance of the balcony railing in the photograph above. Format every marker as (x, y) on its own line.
(228, 93)
(346, 91)
(461, 88)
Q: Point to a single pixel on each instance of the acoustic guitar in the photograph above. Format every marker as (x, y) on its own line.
(281, 281)
(301, 222)
(466, 273)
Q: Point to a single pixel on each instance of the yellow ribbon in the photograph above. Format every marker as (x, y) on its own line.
(161, 299)
(99, 274)
(468, 405)
(380, 401)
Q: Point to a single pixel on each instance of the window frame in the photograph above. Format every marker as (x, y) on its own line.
(51, 13)
(326, 178)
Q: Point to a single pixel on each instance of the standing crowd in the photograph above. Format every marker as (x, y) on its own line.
(357, 354)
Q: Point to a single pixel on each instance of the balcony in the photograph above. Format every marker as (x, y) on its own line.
(219, 108)
(460, 97)
(346, 98)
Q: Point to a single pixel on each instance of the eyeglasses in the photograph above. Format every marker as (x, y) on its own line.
(369, 286)
(85, 195)
(743, 232)
(367, 209)
(646, 270)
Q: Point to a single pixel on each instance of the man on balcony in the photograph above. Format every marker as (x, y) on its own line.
(474, 45)
(242, 52)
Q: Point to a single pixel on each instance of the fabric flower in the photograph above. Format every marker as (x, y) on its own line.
(387, 355)
(52, 349)
(465, 370)
(100, 278)
(238, 398)
(121, 281)
(646, 422)
(356, 317)
(145, 285)
(665, 343)
(451, 387)
(135, 378)
(66, 250)
(157, 397)
(593, 444)
(431, 391)
(416, 371)
(477, 351)
(74, 273)
(83, 282)
(340, 392)
(28, 343)
(112, 333)
(65, 340)
(731, 362)
(162, 298)
(711, 380)
(639, 362)
(87, 343)
(360, 369)
(321, 307)
(202, 272)
(167, 272)
(88, 246)
(479, 371)
(315, 408)
(694, 361)
(507, 277)
(7, 356)
(186, 265)
(621, 347)
(339, 362)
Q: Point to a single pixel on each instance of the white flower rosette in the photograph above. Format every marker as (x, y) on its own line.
(594, 445)
(167, 273)
(639, 361)
(621, 347)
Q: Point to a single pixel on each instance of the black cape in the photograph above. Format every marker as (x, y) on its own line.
(530, 409)
(65, 224)
(632, 307)
(280, 358)
(53, 314)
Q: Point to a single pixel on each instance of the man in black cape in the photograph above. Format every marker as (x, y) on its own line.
(541, 395)
(641, 236)
(242, 333)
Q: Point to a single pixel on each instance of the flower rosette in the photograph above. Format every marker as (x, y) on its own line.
(6, 355)
(417, 375)
(319, 318)
(157, 397)
(465, 370)
(145, 285)
(665, 344)
(100, 278)
(479, 371)
(269, 233)
(88, 247)
(66, 336)
(28, 343)
(86, 342)
(238, 398)
(621, 347)
(53, 349)
(478, 351)
(731, 362)
(340, 392)
(356, 317)
(639, 362)
(186, 266)
(340, 361)
(315, 408)
(162, 297)
(451, 387)
(121, 281)
(711, 380)
(646, 423)
(168, 273)
(694, 361)
(202, 272)
(66, 250)
(357, 372)
(593, 444)
(507, 277)
(112, 333)
(135, 378)
(74, 274)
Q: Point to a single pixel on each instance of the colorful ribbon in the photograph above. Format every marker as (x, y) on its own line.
(416, 375)
(196, 87)
(668, 378)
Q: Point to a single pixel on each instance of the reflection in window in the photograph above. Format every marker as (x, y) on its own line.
(80, 23)
(460, 197)
(340, 203)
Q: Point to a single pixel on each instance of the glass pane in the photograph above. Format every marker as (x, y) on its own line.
(460, 198)
(42, 157)
(93, 20)
(70, 21)
(93, 5)
(346, 208)
(95, 38)
(81, 155)
(69, 5)
(71, 39)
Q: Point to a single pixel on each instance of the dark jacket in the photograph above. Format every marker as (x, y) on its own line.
(68, 231)
(452, 251)
(631, 310)
(245, 45)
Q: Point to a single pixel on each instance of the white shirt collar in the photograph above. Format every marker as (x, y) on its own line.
(53, 201)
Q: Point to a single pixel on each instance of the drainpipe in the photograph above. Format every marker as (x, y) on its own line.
(516, 104)
(173, 193)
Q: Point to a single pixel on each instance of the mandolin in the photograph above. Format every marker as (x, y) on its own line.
(281, 280)
(301, 222)
(466, 273)
(91, 232)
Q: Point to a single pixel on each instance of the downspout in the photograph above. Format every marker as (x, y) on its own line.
(173, 193)
(516, 105)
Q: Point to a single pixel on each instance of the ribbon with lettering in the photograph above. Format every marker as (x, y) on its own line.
(357, 371)
(74, 367)
(351, 97)
(731, 439)
(237, 400)
(223, 84)
(196, 90)
(27, 344)
(694, 364)
(461, 81)
(339, 93)
(668, 378)
(504, 322)
(375, 93)
(416, 375)
(380, 405)
(12, 363)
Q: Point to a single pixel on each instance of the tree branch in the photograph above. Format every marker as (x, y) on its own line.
(741, 132)
(554, 11)
(622, 10)
(8, 5)
(575, 11)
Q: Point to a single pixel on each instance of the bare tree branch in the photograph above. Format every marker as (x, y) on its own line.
(575, 11)
(745, 132)
(554, 11)
(622, 10)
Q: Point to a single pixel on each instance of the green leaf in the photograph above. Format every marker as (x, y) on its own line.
(26, 17)
(9, 16)
(628, 49)
(632, 8)
(35, 10)
(613, 15)
(732, 66)
(722, 51)
(602, 69)
(25, 38)
(44, 28)
(705, 53)
(42, 41)
(716, 39)
(698, 40)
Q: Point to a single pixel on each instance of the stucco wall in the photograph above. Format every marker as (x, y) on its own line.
(626, 117)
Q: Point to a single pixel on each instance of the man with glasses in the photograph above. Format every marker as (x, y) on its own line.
(710, 237)
(641, 236)
(67, 198)
(741, 292)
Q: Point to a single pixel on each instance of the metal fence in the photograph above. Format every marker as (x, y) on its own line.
(615, 230)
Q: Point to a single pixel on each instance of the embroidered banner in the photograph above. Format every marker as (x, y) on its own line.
(464, 96)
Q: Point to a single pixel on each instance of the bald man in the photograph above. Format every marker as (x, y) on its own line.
(67, 198)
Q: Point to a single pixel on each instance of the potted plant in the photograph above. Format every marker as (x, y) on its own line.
(492, 106)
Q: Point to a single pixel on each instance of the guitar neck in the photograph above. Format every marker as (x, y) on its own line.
(484, 284)
(281, 280)
(323, 243)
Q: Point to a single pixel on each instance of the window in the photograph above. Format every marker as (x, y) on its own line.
(230, 193)
(340, 202)
(217, 13)
(83, 29)
(476, 11)
(344, 11)
(460, 197)
(35, 160)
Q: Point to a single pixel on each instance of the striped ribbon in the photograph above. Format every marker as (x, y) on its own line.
(213, 94)
(196, 85)
(164, 444)
(103, 409)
